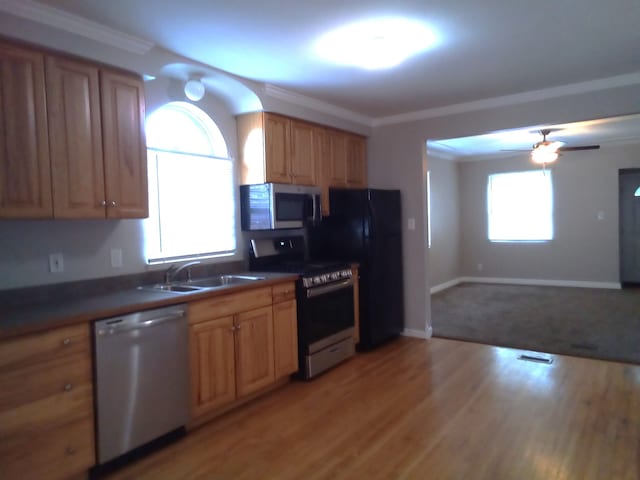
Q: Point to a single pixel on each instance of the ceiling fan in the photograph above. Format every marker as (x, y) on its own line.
(548, 151)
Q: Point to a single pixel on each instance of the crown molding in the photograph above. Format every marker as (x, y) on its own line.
(75, 24)
(515, 99)
(314, 104)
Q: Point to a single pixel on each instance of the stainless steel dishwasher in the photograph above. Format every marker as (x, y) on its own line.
(142, 378)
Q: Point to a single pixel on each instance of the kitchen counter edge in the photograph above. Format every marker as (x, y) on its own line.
(46, 316)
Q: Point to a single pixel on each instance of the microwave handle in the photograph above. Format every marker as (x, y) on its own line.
(317, 208)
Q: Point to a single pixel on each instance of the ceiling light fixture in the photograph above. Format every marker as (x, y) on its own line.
(376, 44)
(545, 153)
(194, 90)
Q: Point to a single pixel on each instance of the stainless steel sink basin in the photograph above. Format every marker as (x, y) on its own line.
(219, 281)
(224, 280)
(172, 288)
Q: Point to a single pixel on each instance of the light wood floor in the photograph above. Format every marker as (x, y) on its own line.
(415, 409)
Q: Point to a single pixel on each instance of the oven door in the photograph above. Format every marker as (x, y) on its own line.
(325, 315)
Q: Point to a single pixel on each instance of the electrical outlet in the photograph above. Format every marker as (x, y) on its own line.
(56, 263)
(480, 267)
(411, 223)
(116, 257)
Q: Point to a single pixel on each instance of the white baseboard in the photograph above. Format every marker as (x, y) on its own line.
(409, 332)
(542, 282)
(443, 286)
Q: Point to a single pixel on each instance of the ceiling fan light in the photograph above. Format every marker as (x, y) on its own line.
(544, 155)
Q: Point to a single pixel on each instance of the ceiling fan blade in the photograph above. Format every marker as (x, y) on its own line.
(582, 147)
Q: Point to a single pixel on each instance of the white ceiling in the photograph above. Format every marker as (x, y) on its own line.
(603, 132)
(487, 52)
(486, 49)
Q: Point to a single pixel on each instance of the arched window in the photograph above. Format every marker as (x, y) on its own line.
(191, 187)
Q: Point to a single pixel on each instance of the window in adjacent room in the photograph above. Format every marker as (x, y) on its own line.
(191, 186)
(520, 206)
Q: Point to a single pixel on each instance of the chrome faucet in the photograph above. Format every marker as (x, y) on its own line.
(174, 270)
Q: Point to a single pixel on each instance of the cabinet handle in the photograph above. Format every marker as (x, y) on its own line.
(70, 450)
(103, 203)
(66, 342)
(232, 329)
(113, 203)
(68, 387)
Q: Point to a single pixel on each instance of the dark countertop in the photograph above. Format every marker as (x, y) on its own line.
(20, 320)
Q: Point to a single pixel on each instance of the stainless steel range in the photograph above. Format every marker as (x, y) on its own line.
(324, 297)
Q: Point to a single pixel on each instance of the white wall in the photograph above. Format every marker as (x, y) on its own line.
(584, 247)
(444, 254)
(396, 158)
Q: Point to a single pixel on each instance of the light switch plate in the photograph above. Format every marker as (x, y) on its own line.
(411, 224)
(56, 263)
(116, 257)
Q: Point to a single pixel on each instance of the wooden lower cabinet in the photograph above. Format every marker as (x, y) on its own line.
(254, 350)
(46, 405)
(285, 334)
(213, 372)
(240, 344)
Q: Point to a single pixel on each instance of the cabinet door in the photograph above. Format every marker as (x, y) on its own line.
(337, 159)
(285, 336)
(75, 136)
(322, 164)
(356, 174)
(254, 350)
(213, 373)
(125, 159)
(277, 132)
(302, 165)
(25, 172)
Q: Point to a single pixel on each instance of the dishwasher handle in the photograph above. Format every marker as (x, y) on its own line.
(128, 327)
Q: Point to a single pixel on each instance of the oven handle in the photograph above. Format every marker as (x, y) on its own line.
(322, 290)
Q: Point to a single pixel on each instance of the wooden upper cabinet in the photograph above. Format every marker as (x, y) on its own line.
(25, 179)
(71, 138)
(275, 148)
(356, 171)
(75, 137)
(125, 163)
(277, 132)
(337, 159)
(302, 164)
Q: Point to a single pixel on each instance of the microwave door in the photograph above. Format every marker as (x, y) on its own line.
(289, 210)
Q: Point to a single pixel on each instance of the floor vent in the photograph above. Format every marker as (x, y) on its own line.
(536, 357)
(584, 346)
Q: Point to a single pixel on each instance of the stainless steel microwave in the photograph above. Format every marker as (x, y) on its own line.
(272, 206)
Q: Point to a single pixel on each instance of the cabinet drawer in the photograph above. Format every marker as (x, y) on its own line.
(283, 292)
(33, 418)
(229, 304)
(54, 454)
(43, 347)
(31, 383)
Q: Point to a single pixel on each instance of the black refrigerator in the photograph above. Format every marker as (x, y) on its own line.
(365, 226)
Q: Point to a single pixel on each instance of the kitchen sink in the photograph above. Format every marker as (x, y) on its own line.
(224, 280)
(219, 281)
(163, 287)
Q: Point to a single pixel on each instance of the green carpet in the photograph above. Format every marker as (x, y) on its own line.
(597, 323)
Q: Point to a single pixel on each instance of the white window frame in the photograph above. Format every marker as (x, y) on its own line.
(523, 211)
(159, 250)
